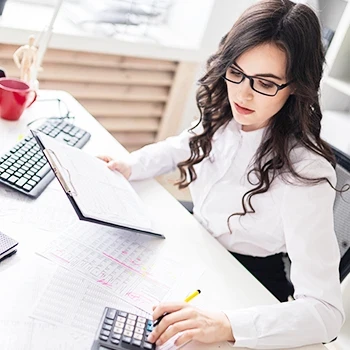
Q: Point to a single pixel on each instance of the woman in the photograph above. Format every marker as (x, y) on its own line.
(261, 179)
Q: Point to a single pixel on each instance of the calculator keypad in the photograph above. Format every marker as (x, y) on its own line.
(122, 330)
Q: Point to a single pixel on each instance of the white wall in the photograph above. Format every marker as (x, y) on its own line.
(223, 15)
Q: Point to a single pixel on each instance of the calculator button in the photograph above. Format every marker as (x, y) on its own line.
(132, 317)
(141, 319)
(140, 325)
(136, 342)
(111, 314)
(139, 330)
(102, 348)
(119, 324)
(106, 333)
(107, 327)
(123, 314)
(103, 337)
(110, 322)
(128, 333)
(129, 328)
(138, 336)
(130, 322)
(147, 345)
(121, 319)
(115, 341)
(116, 336)
(149, 328)
(126, 339)
(118, 330)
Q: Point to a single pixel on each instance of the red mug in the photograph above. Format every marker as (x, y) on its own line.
(15, 97)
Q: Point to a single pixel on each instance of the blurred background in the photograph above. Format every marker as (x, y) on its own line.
(133, 64)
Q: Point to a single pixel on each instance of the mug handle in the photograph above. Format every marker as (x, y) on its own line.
(35, 96)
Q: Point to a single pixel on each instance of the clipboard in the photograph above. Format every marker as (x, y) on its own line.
(96, 193)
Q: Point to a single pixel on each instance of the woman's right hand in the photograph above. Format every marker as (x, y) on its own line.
(120, 166)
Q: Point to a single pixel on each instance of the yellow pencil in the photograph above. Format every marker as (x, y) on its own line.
(187, 299)
(191, 296)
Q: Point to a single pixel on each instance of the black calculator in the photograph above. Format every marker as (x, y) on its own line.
(119, 330)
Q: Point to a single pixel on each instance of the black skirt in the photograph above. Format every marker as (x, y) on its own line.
(270, 271)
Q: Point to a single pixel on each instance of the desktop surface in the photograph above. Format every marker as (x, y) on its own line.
(35, 223)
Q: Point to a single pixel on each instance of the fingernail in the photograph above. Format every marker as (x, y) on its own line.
(150, 338)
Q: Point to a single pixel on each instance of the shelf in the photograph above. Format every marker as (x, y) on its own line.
(341, 85)
(336, 129)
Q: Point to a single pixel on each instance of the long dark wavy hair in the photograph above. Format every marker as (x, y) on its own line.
(296, 30)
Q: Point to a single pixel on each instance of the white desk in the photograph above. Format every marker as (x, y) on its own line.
(24, 275)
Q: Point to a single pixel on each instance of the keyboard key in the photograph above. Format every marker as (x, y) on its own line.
(139, 330)
(5, 176)
(27, 187)
(119, 324)
(141, 319)
(105, 332)
(107, 327)
(13, 179)
(127, 333)
(136, 342)
(138, 336)
(31, 183)
(121, 319)
(147, 345)
(140, 325)
(25, 160)
(129, 328)
(130, 322)
(118, 330)
(111, 314)
(21, 181)
(126, 339)
(110, 322)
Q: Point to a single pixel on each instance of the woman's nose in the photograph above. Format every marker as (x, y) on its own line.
(245, 92)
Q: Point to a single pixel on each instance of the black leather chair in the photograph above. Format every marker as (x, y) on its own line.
(342, 211)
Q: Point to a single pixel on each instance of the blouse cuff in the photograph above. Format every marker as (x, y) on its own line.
(243, 328)
(137, 170)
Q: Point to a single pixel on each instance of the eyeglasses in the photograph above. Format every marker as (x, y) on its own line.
(260, 85)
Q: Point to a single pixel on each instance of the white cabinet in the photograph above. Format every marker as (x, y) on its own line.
(335, 85)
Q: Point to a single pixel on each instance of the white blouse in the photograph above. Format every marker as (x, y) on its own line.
(290, 217)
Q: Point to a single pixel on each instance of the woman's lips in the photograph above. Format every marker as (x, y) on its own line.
(243, 110)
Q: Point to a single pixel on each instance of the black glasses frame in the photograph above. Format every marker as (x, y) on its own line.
(251, 83)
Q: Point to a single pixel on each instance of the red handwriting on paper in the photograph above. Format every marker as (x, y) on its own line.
(104, 282)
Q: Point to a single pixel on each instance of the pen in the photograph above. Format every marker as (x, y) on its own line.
(187, 299)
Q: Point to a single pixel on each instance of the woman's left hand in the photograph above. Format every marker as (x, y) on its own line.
(195, 324)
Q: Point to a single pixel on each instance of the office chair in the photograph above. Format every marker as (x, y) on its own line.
(342, 211)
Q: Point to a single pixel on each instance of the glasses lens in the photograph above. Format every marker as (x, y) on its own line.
(264, 87)
(234, 75)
